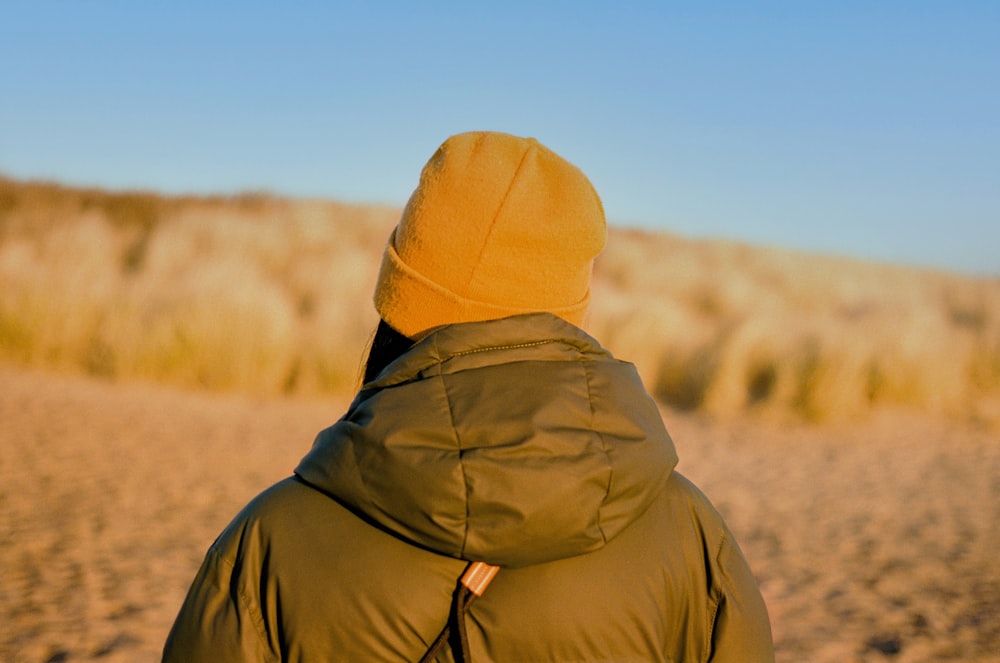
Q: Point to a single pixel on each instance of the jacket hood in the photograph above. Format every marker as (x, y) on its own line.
(515, 442)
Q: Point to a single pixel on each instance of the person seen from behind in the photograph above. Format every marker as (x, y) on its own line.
(501, 488)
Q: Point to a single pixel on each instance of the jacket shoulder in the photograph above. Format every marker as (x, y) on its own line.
(295, 571)
(740, 626)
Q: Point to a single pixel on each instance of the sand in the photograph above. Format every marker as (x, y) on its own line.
(873, 541)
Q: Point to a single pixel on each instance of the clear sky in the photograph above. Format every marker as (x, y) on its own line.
(870, 129)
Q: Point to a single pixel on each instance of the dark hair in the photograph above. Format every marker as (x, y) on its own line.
(387, 345)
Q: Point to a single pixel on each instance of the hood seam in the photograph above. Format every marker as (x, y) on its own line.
(458, 444)
(604, 446)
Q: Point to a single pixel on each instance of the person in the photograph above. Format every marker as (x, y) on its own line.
(491, 434)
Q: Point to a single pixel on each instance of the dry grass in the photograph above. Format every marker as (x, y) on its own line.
(252, 293)
(726, 328)
(266, 295)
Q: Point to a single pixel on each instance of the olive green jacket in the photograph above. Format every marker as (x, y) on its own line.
(519, 442)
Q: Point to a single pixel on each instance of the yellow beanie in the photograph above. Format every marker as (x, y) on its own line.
(499, 225)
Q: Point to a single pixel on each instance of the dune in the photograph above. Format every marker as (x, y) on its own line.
(163, 359)
(265, 295)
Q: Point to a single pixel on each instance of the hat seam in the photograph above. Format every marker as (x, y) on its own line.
(496, 215)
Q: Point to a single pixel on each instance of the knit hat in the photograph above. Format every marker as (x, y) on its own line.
(498, 225)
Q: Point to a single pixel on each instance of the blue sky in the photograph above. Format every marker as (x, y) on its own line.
(869, 129)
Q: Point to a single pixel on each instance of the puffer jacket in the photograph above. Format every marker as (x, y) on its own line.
(519, 442)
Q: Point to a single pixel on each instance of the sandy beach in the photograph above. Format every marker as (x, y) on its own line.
(872, 541)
